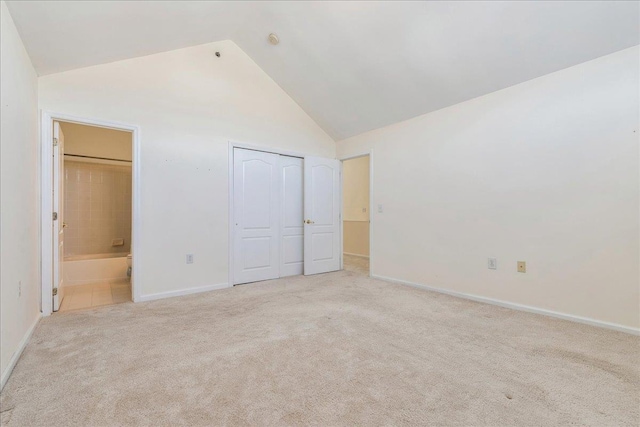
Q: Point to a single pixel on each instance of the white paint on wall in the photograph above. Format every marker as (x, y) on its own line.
(355, 205)
(188, 104)
(545, 171)
(19, 203)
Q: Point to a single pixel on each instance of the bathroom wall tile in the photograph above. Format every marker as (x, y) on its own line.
(97, 207)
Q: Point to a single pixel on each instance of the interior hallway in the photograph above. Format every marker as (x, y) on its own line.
(356, 264)
(330, 349)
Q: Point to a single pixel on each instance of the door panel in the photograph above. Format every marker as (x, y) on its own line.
(256, 206)
(322, 215)
(322, 203)
(291, 213)
(58, 223)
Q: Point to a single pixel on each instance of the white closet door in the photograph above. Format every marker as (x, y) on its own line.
(291, 216)
(256, 207)
(322, 215)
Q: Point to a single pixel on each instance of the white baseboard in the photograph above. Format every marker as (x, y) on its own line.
(520, 307)
(358, 255)
(16, 355)
(182, 292)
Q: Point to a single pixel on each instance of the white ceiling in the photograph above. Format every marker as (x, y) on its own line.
(353, 66)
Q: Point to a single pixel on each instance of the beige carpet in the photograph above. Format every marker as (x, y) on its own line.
(334, 349)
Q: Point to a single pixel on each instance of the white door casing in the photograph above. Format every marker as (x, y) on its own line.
(256, 220)
(291, 216)
(58, 219)
(322, 239)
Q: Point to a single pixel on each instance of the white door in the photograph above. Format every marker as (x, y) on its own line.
(256, 207)
(58, 209)
(291, 216)
(322, 215)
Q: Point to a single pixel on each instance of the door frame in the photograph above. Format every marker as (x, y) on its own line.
(355, 155)
(265, 149)
(46, 199)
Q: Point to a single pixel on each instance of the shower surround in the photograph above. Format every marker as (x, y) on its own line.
(97, 208)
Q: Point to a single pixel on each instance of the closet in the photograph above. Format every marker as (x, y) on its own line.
(286, 215)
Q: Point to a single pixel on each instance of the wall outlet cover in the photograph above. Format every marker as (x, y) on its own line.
(522, 266)
(189, 258)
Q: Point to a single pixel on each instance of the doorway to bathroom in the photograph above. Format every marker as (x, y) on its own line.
(92, 226)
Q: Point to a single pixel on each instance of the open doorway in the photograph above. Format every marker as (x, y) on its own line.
(94, 215)
(92, 221)
(356, 174)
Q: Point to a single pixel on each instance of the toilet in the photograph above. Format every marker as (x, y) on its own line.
(129, 264)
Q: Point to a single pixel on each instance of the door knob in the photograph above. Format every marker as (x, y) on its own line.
(309, 221)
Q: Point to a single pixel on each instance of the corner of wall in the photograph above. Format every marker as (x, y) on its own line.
(19, 194)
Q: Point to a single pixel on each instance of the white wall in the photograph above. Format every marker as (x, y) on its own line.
(546, 171)
(188, 104)
(19, 195)
(355, 202)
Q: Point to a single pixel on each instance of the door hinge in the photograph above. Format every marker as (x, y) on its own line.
(55, 142)
(55, 216)
(55, 291)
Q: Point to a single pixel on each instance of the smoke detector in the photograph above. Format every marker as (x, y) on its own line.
(273, 39)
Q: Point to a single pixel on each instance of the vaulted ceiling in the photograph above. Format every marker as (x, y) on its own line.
(352, 66)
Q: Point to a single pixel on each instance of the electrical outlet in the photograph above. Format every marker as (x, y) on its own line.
(492, 264)
(522, 267)
(20, 288)
(189, 258)
(364, 210)
(379, 208)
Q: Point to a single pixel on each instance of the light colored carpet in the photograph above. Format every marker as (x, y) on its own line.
(333, 349)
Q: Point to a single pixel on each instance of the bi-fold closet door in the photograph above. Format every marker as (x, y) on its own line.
(271, 194)
(268, 211)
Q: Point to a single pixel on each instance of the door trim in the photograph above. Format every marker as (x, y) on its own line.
(46, 199)
(232, 145)
(356, 155)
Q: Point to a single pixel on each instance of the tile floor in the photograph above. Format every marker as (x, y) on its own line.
(95, 295)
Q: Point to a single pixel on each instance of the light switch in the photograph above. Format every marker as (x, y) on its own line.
(492, 264)
(189, 258)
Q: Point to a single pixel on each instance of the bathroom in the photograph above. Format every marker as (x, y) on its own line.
(96, 214)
